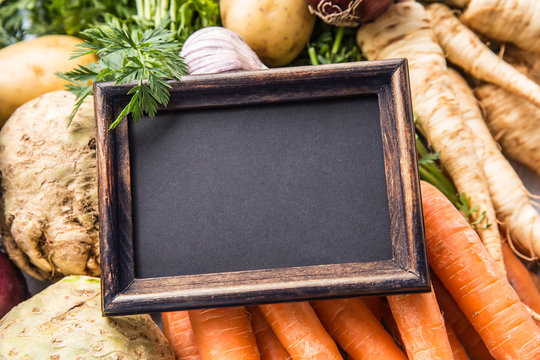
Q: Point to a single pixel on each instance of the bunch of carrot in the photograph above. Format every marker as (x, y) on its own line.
(475, 312)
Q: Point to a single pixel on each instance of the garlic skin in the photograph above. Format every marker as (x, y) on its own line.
(216, 49)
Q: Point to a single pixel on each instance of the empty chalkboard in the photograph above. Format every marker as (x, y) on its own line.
(264, 186)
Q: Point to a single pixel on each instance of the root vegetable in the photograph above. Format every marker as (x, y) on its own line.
(300, 331)
(465, 49)
(49, 188)
(12, 285)
(347, 12)
(484, 295)
(224, 334)
(508, 194)
(514, 21)
(29, 67)
(177, 329)
(457, 349)
(267, 341)
(421, 326)
(463, 329)
(351, 323)
(64, 321)
(277, 30)
(405, 31)
(514, 123)
(521, 281)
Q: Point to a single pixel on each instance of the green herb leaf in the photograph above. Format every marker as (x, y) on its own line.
(128, 55)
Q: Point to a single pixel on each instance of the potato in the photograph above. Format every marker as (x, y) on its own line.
(29, 67)
(277, 30)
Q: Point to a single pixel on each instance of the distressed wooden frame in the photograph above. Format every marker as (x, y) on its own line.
(123, 293)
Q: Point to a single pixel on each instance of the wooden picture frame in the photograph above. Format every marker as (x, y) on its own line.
(407, 271)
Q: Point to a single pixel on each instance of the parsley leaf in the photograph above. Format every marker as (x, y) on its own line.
(129, 55)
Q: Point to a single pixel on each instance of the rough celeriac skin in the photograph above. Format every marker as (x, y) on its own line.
(64, 322)
(49, 188)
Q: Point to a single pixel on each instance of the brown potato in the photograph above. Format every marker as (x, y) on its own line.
(28, 69)
(277, 30)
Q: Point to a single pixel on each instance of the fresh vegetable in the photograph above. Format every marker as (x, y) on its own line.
(12, 285)
(514, 123)
(277, 30)
(177, 329)
(224, 334)
(404, 30)
(356, 330)
(29, 69)
(215, 49)
(22, 19)
(125, 57)
(483, 294)
(64, 321)
(513, 21)
(465, 49)
(347, 12)
(300, 331)
(267, 341)
(49, 188)
(521, 281)
(457, 349)
(453, 316)
(421, 326)
(508, 194)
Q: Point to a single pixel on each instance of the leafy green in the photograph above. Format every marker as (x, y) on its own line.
(145, 57)
(329, 44)
(20, 19)
(469, 212)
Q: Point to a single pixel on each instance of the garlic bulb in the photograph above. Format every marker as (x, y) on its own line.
(215, 49)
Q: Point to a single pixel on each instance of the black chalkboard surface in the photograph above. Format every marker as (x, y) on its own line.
(264, 186)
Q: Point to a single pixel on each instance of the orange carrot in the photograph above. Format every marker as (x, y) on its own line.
(483, 294)
(177, 329)
(520, 279)
(389, 323)
(375, 305)
(421, 326)
(469, 338)
(357, 331)
(300, 331)
(457, 348)
(269, 345)
(224, 334)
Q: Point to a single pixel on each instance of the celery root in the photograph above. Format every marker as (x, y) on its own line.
(405, 31)
(508, 194)
(466, 50)
(514, 123)
(49, 187)
(513, 21)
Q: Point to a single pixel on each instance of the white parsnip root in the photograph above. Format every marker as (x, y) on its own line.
(513, 21)
(514, 123)
(508, 194)
(404, 31)
(466, 50)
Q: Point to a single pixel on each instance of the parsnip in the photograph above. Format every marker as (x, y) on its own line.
(514, 123)
(508, 194)
(514, 21)
(466, 50)
(405, 31)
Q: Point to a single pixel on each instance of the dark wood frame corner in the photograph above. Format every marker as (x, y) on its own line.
(123, 293)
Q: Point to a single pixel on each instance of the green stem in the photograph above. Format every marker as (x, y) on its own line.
(172, 12)
(313, 56)
(337, 41)
(157, 14)
(140, 8)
